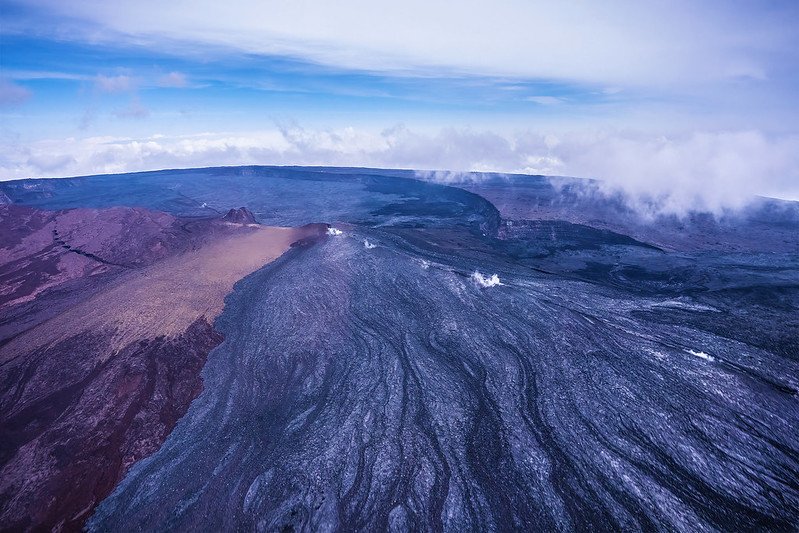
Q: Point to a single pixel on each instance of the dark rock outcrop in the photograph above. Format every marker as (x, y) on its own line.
(242, 215)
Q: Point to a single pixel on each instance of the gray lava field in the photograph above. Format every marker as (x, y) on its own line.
(442, 363)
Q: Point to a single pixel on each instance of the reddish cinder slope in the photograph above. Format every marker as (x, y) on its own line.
(97, 378)
(51, 259)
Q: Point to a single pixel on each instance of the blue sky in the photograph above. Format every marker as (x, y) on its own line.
(227, 88)
(630, 92)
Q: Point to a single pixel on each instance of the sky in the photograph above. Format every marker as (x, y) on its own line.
(693, 103)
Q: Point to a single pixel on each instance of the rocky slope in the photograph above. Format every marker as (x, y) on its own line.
(432, 362)
(399, 386)
(96, 379)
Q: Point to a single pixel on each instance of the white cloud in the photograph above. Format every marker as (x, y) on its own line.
(700, 171)
(448, 177)
(50, 163)
(618, 42)
(114, 84)
(43, 75)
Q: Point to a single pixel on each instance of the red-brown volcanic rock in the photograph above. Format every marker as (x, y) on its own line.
(50, 260)
(107, 323)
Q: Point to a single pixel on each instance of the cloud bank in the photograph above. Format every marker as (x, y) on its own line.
(674, 42)
(701, 171)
